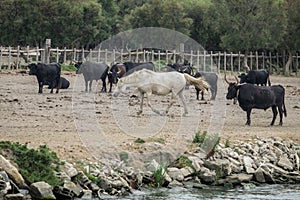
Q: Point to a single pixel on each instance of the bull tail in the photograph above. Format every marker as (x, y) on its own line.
(283, 104)
(269, 82)
(284, 109)
(199, 83)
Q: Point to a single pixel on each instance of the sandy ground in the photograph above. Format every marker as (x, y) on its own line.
(86, 126)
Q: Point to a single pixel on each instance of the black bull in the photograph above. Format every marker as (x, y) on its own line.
(259, 77)
(260, 97)
(46, 74)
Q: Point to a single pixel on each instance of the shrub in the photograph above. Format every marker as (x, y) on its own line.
(68, 68)
(139, 140)
(34, 165)
(158, 175)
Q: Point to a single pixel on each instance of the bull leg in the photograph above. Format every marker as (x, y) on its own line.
(280, 115)
(58, 84)
(91, 85)
(197, 93)
(248, 117)
(103, 86)
(202, 95)
(40, 87)
(86, 86)
(274, 109)
(110, 86)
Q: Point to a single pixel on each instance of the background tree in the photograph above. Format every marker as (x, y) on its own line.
(156, 13)
(291, 40)
(249, 24)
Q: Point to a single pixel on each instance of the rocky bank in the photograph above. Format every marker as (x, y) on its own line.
(243, 163)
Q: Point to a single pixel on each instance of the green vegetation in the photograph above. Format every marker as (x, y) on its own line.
(34, 165)
(184, 161)
(216, 24)
(124, 155)
(227, 143)
(139, 140)
(199, 138)
(208, 142)
(69, 68)
(158, 140)
(158, 175)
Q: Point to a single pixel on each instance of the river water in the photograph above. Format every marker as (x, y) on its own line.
(270, 192)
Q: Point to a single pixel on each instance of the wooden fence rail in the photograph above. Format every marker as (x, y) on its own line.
(18, 57)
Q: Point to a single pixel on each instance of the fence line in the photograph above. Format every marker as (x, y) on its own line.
(16, 57)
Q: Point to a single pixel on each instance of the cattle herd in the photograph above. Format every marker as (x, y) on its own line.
(250, 89)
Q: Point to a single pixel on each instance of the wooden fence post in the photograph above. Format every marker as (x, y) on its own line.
(239, 60)
(251, 61)
(9, 57)
(18, 57)
(105, 59)
(219, 62)
(263, 59)
(36, 55)
(1, 58)
(211, 61)
(204, 60)
(99, 55)
(198, 59)
(225, 67)
(47, 50)
(159, 60)
(231, 61)
(65, 55)
(256, 57)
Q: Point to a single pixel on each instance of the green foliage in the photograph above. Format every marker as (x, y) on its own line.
(227, 143)
(158, 175)
(69, 68)
(34, 165)
(199, 138)
(124, 155)
(216, 24)
(139, 140)
(159, 140)
(184, 161)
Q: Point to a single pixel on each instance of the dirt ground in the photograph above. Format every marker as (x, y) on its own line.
(87, 126)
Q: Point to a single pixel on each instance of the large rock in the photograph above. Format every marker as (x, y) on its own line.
(285, 163)
(41, 190)
(175, 173)
(221, 167)
(76, 189)
(187, 171)
(248, 164)
(17, 196)
(259, 175)
(206, 176)
(236, 179)
(70, 170)
(12, 172)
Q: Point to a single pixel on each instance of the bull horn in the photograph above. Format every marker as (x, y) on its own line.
(109, 72)
(237, 80)
(226, 79)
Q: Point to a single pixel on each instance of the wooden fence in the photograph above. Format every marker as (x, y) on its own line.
(19, 57)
